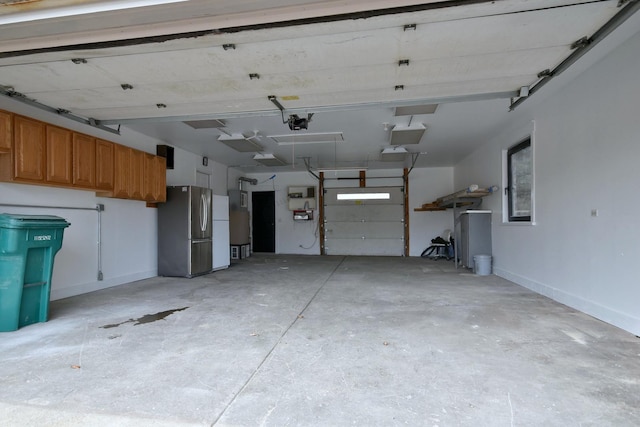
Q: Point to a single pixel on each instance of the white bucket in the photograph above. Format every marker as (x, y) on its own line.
(482, 265)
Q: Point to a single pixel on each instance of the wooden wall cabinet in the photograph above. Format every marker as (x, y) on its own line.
(137, 175)
(105, 174)
(160, 179)
(28, 149)
(155, 179)
(59, 155)
(122, 171)
(84, 161)
(149, 184)
(6, 131)
(34, 152)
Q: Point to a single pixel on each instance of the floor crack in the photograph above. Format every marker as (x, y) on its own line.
(270, 352)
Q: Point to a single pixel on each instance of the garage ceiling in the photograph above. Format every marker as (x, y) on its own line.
(151, 68)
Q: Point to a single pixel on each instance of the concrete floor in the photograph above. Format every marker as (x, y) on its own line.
(326, 341)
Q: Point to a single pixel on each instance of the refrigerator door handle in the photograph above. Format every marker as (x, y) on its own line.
(200, 240)
(204, 213)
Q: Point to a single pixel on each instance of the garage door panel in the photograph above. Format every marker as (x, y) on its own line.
(364, 227)
(364, 213)
(370, 230)
(396, 196)
(370, 247)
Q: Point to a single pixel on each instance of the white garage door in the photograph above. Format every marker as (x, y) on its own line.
(364, 221)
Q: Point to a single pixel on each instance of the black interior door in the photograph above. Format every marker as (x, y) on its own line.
(264, 221)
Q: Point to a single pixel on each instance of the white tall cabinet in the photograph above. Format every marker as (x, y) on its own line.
(220, 237)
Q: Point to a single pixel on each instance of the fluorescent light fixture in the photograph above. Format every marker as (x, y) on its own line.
(393, 154)
(403, 135)
(239, 143)
(81, 9)
(364, 196)
(206, 124)
(268, 159)
(344, 169)
(415, 110)
(308, 138)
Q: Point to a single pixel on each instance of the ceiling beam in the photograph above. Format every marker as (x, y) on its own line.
(329, 108)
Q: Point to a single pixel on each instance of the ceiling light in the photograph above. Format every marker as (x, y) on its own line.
(344, 169)
(83, 9)
(403, 135)
(239, 143)
(268, 159)
(393, 154)
(206, 124)
(414, 110)
(308, 138)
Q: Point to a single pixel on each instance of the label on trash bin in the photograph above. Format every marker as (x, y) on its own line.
(42, 238)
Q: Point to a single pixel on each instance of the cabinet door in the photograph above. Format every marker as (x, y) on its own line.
(59, 155)
(6, 131)
(122, 172)
(136, 187)
(84, 161)
(104, 165)
(160, 179)
(29, 149)
(149, 177)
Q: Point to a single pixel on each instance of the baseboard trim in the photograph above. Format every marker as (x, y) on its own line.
(606, 314)
(85, 288)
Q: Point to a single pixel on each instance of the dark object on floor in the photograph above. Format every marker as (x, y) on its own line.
(441, 247)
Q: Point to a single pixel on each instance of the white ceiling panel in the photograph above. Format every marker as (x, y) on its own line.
(418, 93)
(467, 51)
(198, 15)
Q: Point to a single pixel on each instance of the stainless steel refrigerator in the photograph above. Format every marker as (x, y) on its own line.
(184, 232)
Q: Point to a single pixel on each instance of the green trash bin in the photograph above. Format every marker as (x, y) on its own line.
(28, 245)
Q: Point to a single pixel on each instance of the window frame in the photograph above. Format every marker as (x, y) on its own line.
(509, 216)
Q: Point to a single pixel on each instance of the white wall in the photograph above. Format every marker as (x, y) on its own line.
(425, 186)
(586, 151)
(186, 167)
(129, 228)
(292, 237)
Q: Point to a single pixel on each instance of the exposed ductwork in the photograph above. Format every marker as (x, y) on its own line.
(242, 179)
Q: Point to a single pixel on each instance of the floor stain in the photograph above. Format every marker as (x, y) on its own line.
(147, 318)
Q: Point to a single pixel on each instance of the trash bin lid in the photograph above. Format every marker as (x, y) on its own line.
(32, 221)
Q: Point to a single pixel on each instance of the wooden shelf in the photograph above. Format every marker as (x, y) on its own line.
(301, 198)
(470, 196)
